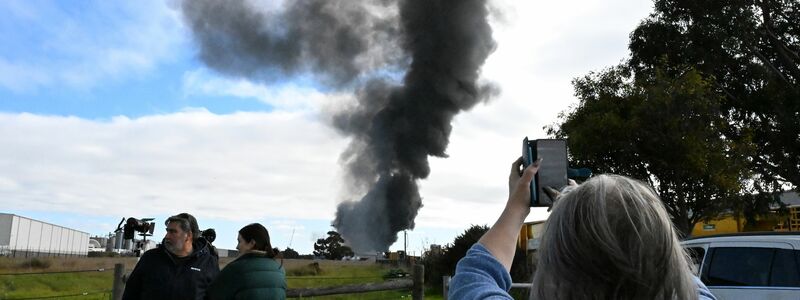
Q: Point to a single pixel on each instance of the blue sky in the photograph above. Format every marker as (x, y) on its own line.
(94, 60)
(106, 112)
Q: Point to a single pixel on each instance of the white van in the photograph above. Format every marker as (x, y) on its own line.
(764, 265)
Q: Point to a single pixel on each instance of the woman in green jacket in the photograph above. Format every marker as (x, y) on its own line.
(255, 274)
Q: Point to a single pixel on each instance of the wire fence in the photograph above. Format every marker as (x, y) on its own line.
(7, 251)
(104, 294)
(53, 272)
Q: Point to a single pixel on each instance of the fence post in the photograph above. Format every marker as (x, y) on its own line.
(418, 289)
(445, 286)
(119, 285)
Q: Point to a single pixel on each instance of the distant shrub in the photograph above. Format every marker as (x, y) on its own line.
(395, 273)
(311, 269)
(290, 253)
(103, 254)
(36, 263)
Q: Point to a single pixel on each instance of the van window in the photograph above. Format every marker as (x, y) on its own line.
(734, 266)
(785, 269)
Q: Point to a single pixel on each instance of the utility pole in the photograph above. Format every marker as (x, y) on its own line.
(405, 243)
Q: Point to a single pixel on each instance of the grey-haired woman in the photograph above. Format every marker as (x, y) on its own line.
(608, 238)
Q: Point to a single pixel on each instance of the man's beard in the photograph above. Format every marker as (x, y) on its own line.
(174, 249)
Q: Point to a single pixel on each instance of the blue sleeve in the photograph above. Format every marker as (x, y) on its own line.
(480, 276)
(702, 291)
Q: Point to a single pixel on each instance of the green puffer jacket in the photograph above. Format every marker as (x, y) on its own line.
(251, 276)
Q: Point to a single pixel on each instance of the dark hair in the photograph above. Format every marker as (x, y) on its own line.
(256, 232)
(187, 223)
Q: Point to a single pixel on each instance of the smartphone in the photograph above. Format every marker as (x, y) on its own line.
(552, 170)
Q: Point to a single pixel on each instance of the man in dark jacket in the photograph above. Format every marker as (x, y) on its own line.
(181, 267)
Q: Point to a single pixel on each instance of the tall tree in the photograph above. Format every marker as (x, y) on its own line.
(332, 247)
(748, 51)
(665, 131)
(444, 262)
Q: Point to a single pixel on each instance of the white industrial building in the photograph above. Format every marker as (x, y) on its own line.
(26, 237)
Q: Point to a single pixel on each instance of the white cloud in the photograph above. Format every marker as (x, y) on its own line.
(288, 97)
(239, 166)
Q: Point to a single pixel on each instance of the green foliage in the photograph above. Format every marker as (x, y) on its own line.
(396, 273)
(707, 108)
(290, 253)
(36, 263)
(749, 52)
(458, 249)
(332, 247)
(434, 269)
(311, 269)
(103, 254)
(443, 263)
(520, 269)
(664, 130)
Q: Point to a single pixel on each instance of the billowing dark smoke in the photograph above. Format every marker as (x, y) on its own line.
(394, 126)
(334, 40)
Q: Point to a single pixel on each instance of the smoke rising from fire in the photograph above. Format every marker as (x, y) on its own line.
(394, 126)
(335, 41)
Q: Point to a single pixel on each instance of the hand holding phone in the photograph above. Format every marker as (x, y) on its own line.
(552, 169)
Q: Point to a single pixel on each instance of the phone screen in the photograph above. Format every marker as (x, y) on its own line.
(552, 170)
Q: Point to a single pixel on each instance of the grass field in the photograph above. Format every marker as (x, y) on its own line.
(97, 284)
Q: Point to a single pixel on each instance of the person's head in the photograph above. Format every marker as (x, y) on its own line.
(254, 237)
(182, 231)
(611, 238)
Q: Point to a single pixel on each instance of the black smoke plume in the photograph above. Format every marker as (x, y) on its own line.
(333, 40)
(396, 124)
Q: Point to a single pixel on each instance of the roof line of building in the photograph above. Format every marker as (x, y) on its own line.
(48, 223)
